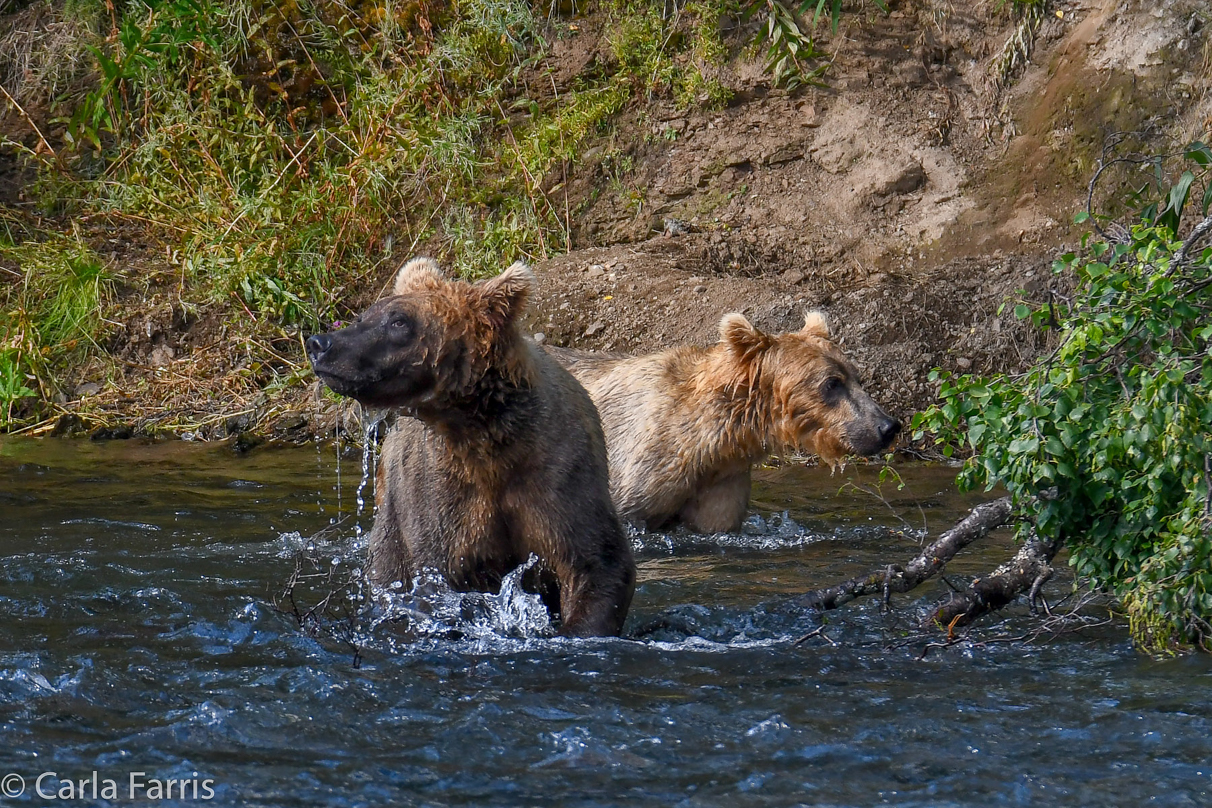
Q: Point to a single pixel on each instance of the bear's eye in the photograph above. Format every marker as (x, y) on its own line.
(833, 386)
(400, 322)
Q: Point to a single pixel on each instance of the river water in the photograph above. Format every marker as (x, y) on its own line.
(138, 638)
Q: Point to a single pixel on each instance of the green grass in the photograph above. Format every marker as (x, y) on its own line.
(280, 154)
(52, 317)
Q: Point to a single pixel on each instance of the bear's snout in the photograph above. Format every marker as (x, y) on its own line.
(317, 346)
(873, 433)
(888, 430)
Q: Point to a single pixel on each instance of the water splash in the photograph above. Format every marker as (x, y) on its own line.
(772, 726)
(775, 532)
(576, 747)
(431, 608)
(27, 682)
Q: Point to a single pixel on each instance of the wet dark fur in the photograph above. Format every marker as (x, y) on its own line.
(503, 455)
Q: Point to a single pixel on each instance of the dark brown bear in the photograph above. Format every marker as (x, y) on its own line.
(503, 454)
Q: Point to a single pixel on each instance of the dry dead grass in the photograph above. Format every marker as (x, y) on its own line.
(44, 53)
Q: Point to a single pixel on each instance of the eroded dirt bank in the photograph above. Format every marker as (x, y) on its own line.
(908, 201)
(923, 187)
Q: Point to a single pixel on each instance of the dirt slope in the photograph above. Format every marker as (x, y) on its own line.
(908, 200)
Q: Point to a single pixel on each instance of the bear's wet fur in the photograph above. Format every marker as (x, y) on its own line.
(685, 425)
(500, 455)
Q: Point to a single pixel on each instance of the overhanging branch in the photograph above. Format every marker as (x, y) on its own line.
(1197, 234)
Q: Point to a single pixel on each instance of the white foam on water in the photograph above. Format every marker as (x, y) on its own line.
(775, 532)
(432, 608)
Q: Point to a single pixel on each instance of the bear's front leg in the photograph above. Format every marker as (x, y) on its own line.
(591, 558)
(402, 506)
(595, 597)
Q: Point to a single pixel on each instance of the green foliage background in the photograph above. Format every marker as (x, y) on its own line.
(1117, 420)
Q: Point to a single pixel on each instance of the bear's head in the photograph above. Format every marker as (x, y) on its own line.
(430, 343)
(808, 388)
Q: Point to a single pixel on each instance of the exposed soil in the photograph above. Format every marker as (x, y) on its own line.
(908, 200)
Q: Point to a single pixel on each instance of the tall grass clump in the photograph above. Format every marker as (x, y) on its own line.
(52, 315)
(284, 147)
(275, 154)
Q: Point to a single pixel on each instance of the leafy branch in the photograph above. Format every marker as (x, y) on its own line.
(1116, 419)
(792, 56)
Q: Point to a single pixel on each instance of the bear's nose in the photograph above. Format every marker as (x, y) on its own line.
(888, 428)
(318, 345)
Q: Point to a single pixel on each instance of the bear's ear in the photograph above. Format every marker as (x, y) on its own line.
(504, 297)
(740, 334)
(815, 325)
(415, 274)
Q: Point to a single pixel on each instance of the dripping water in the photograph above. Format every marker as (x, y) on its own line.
(370, 420)
(319, 441)
(336, 442)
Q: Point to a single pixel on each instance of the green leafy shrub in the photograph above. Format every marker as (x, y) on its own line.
(1118, 420)
(13, 385)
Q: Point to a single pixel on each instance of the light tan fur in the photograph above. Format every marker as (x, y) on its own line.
(685, 425)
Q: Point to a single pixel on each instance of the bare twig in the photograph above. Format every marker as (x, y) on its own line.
(1111, 143)
(819, 631)
(1033, 597)
(1058, 625)
(1197, 234)
(1208, 485)
(29, 120)
(334, 614)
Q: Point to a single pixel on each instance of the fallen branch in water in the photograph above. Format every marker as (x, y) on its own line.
(895, 579)
(1055, 624)
(335, 614)
(1030, 569)
(819, 631)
